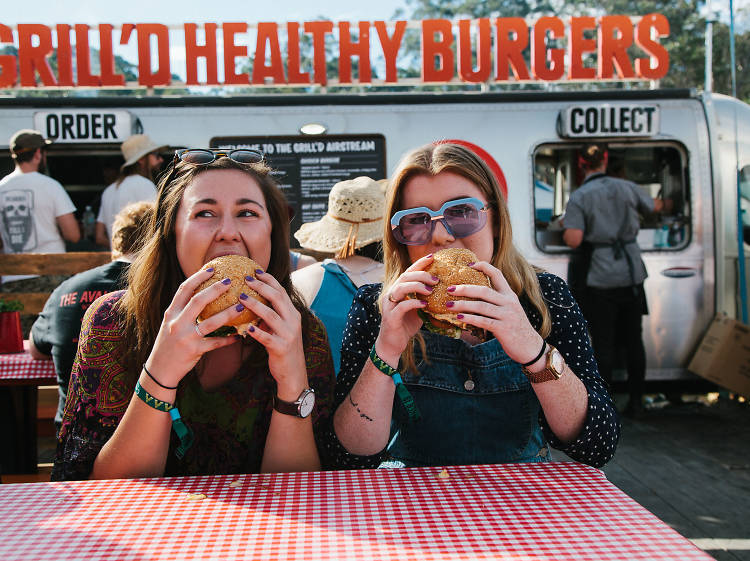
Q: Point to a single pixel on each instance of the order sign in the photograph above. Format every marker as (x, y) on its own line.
(609, 120)
(84, 125)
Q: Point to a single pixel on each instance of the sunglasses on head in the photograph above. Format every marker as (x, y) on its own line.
(461, 218)
(204, 156)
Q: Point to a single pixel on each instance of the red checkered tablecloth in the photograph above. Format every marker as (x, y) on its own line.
(523, 511)
(20, 368)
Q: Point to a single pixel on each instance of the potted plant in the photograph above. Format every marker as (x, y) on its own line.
(11, 337)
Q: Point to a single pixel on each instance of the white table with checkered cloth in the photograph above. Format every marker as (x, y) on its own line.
(22, 369)
(558, 511)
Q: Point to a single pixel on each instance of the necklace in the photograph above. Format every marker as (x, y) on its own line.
(362, 272)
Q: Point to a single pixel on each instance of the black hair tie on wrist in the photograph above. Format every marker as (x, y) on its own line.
(524, 365)
(162, 385)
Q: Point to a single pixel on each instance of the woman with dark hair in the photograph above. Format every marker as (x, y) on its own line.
(144, 366)
(531, 383)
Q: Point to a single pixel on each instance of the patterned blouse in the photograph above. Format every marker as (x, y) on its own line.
(596, 443)
(230, 423)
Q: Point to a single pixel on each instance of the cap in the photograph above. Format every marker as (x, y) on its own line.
(27, 139)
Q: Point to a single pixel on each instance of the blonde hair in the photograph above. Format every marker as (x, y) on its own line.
(131, 227)
(431, 160)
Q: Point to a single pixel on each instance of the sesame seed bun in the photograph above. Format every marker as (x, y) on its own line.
(235, 267)
(451, 267)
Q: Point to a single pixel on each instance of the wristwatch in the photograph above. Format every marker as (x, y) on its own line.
(300, 408)
(554, 369)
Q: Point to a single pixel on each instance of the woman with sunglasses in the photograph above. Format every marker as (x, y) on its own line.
(533, 383)
(151, 394)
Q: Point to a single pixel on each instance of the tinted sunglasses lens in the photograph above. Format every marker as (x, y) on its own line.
(414, 228)
(464, 219)
(246, 156)
(197, 156)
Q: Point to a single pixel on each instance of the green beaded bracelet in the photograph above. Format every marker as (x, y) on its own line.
(184, 432)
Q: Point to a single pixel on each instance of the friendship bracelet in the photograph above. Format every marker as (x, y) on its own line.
(158, 383)
(184, 432)
(537, 357)
(403, 393)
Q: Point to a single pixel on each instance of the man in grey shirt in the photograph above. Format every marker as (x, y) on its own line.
(604, 212)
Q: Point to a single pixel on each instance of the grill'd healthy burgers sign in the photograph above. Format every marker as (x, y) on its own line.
(612, 47)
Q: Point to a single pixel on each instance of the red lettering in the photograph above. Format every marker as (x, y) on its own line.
(109, 76)
(207, 51)
(34, 59)
(578, 45)
(349, 49)
(437, 56)
(512, 40)
(231, 51)
(319, 30)
(64, 56)
(659, 26)
(7, 62)
(162, 76)
(615, 36)
(295, 76)
(68, 299)
(484, 48)
(390, 47)
(83, 57)
(540, 54)
(268, 32)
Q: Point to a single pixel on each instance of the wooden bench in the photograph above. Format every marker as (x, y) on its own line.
(46, 264)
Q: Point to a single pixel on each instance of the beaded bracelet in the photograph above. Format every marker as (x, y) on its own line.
(403, 394)
(184, 432)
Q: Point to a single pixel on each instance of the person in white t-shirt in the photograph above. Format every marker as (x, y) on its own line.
(36, 214)
(135, 182)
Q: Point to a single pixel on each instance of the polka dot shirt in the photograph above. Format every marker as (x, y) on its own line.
(597, 441)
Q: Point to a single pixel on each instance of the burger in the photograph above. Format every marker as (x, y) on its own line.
(236, 268)
(451, 267)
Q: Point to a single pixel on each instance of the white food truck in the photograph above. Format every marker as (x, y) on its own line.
(676, 144)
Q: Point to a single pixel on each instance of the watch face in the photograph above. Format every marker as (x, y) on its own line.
(557, 361)
(308, 401)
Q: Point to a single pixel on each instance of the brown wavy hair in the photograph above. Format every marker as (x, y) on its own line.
(155, 274)
(430, 160)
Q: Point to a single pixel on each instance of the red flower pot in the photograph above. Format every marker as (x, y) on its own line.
(11, 337)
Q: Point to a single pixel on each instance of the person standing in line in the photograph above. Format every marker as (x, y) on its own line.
(135, 182)
(54, 334)
(351, 229)
(604, 212)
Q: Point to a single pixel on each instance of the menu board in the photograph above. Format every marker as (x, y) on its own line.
(308, 167)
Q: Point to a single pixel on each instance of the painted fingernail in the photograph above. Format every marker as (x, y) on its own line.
(226, 281)
(243, 296)
(210, 270)
(435, 278)
(428, 255)
(258, 271)
(470, 264)
(451, 288)
(430, 288)
(459, 316)
(239, 307)
(251, 329)
(423, 302)
(449, 304)
(249, 278)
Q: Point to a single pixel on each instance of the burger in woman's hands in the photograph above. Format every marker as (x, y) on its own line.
(450, 266)
(235, 267)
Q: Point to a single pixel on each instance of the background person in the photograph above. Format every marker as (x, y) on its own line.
(134, 183)
(604, 213)
(351, 229)
(236, 395)
(478, 404)
(55, 332)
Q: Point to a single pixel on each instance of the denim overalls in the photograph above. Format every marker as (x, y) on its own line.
(477, 407)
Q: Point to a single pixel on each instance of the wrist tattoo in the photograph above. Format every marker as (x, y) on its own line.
(361, 415)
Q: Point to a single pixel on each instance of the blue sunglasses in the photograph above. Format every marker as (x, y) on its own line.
(461, 218)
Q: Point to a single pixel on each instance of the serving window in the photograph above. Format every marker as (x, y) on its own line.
(659, 169)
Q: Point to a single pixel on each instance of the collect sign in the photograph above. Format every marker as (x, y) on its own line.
(583, 121)
(309, 166)
(84, 125)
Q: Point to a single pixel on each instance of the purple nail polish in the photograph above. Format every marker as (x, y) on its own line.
(210, 270)
(459, 316)
(239, 307)
(430, 288)
(226, 281)
(258, 271)
(470, 264)
(249, 278)
(423, 302)
(449, 304)
(251, 329)
(428, 255)
(435, 278)
(451, 288)
(243, 296)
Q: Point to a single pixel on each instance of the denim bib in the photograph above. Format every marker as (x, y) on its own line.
(477, 407)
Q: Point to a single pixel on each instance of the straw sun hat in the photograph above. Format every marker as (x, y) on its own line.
(354, 219)
(137, 146)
